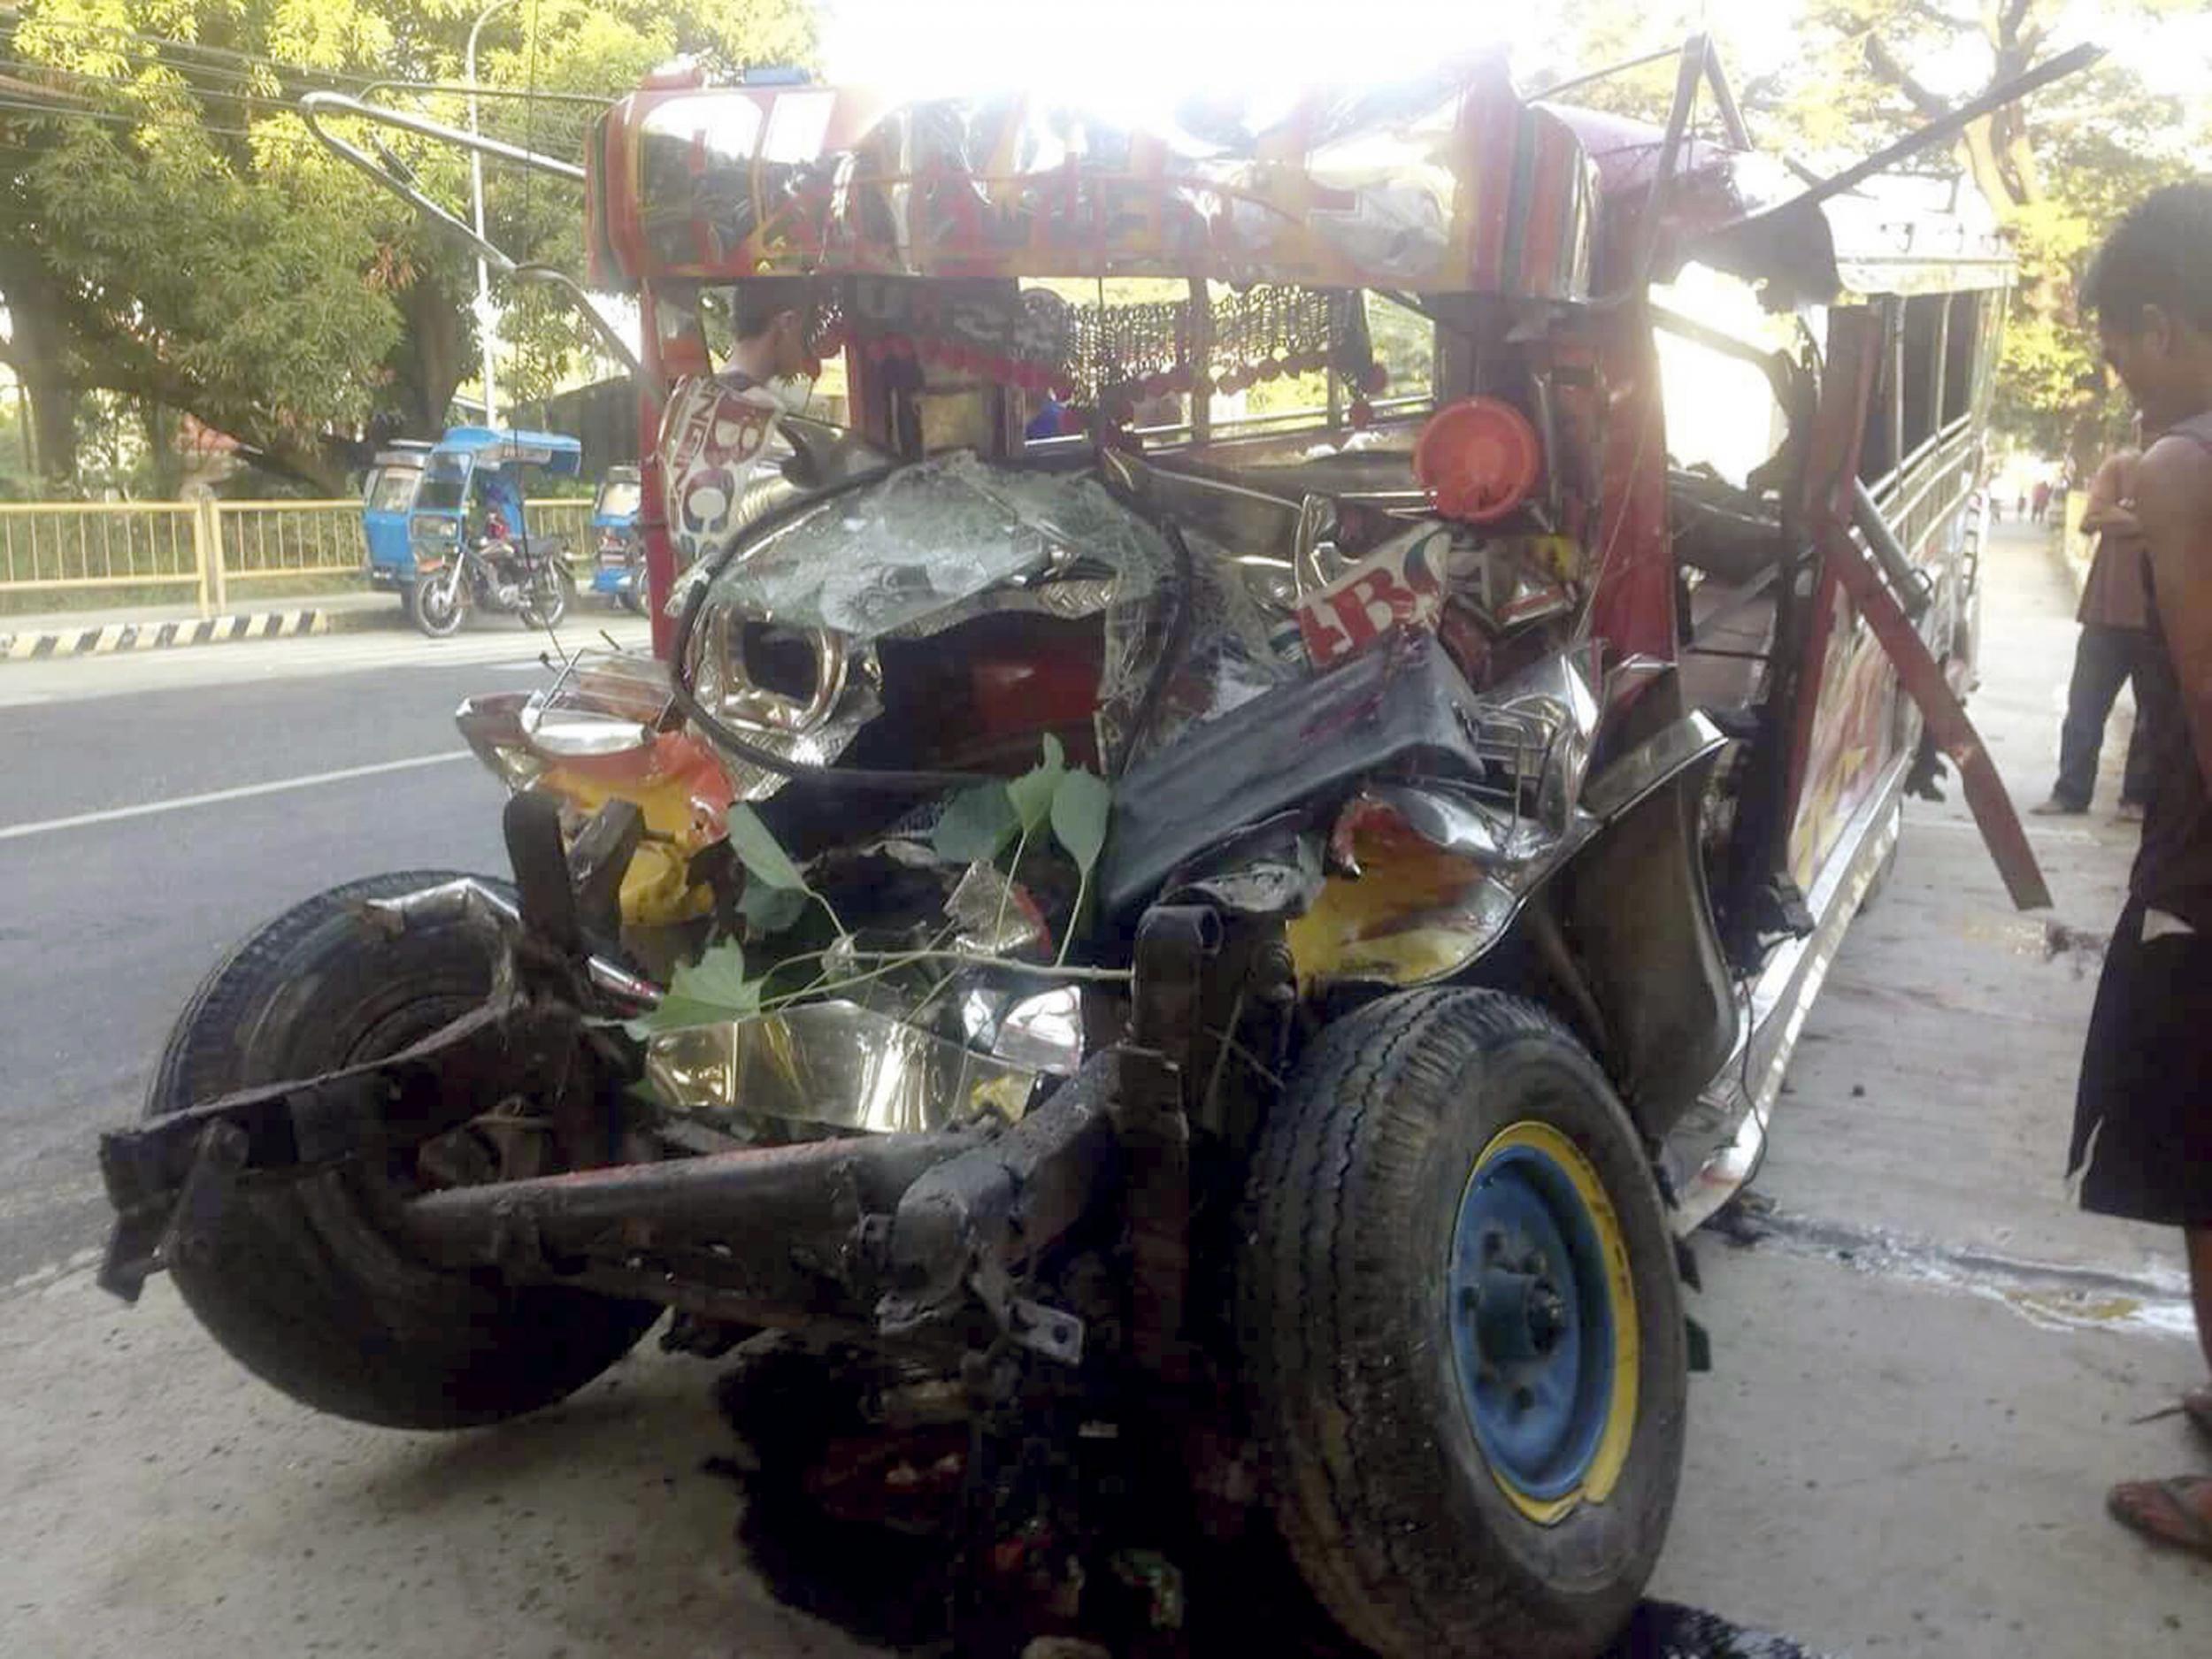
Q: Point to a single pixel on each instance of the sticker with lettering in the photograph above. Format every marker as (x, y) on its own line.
(1399, 586)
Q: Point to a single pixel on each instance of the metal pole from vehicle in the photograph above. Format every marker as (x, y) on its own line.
(1905, 579)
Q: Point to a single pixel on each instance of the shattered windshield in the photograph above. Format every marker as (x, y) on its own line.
(936, 543)
(927, 537)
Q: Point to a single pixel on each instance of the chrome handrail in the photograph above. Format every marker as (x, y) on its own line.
(395, 175)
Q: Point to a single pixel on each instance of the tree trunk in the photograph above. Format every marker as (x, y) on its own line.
(37, 348)
(323, 466)
(430, 365)
(53, 423)
(161, 443)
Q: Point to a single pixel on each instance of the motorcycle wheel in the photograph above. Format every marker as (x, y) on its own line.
(631, 596)
(546, 602)
(439, 604)
(1463, 1332)
(305, 1287)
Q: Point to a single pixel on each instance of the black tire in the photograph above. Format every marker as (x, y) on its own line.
(1382, 1490)
(631, 596)
(438, 605)
(304, 1289)
(541, 611)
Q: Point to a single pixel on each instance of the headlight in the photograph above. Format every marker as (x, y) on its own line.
(768, 676)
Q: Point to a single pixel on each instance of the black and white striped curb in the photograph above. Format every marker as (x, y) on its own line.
(146, 636)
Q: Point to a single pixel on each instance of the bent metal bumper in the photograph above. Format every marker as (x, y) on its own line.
(881, 1234)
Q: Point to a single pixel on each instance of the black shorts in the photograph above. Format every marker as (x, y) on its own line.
(2142, 1141)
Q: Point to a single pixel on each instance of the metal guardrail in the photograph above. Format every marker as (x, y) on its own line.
(568, 517)
(258, 539)
(67, 546)
(89, 552)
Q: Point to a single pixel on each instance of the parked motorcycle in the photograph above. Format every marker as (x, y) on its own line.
(449, 567)
(492, 572)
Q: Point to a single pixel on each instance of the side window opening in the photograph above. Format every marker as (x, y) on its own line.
(1959, 353)
(1922, 359)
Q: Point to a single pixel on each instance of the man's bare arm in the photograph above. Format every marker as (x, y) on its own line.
(2173, 499)
(2107, 507)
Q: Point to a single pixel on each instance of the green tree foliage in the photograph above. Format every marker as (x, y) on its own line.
(2057, 169)
(170, 233)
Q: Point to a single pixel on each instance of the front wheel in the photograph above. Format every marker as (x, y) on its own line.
(1463, 1331)
(305, 1285)
(438, 604)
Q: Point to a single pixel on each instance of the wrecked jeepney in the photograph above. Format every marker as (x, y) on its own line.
(1170, 978)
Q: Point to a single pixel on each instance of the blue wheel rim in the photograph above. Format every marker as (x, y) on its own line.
(1531, 1316)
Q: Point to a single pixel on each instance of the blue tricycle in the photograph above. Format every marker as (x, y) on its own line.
(619, 558)
(387, 500)
(466, 540)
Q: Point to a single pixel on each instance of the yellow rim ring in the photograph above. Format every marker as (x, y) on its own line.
(1611, 1456)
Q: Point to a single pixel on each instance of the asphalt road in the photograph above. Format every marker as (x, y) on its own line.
(1927, 1364)
(120, 886)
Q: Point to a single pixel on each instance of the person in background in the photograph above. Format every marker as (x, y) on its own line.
(2041, 502)
(715, 427)
(2142, 1140)
(2110, 649)
(2020, 506)
(1044, 422)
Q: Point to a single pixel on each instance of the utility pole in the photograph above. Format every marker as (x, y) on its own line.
(484, 317)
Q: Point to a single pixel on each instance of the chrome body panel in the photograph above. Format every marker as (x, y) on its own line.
(1712, 1153)
(832, 1065)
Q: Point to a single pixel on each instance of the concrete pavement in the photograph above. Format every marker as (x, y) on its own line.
(396, 647)
(47, 636)
(1926, 1363)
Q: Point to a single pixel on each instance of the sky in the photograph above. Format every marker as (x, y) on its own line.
(1140, 51)
(1097, 52)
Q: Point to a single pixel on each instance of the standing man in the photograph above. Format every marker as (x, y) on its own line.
(2142, 1142)
(2041, 499)
(2110, 648)
(715, 427)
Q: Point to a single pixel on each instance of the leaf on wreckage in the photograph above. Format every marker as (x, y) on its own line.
(1080, 809)
(1032, 793)
(770, 910)
(761, 852)
(975, 825)
(707, 992)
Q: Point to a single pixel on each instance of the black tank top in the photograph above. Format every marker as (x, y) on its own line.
(2173, 871)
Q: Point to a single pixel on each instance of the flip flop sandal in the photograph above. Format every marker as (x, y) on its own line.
(2167, 1511)
(2197, 1407)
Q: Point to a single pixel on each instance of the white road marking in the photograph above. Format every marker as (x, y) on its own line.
(280, 785)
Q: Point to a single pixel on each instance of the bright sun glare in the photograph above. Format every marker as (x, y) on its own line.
(1143, 52)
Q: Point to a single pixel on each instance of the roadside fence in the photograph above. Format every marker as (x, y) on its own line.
(105, 553)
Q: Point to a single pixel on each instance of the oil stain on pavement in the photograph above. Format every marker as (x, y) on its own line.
(2044, 1293)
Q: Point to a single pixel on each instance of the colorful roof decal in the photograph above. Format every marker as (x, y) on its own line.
(1452, 184)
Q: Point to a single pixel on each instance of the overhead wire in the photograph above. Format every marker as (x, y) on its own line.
(85, 96)
(224, 54)
(275, 102)
(174, 122)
